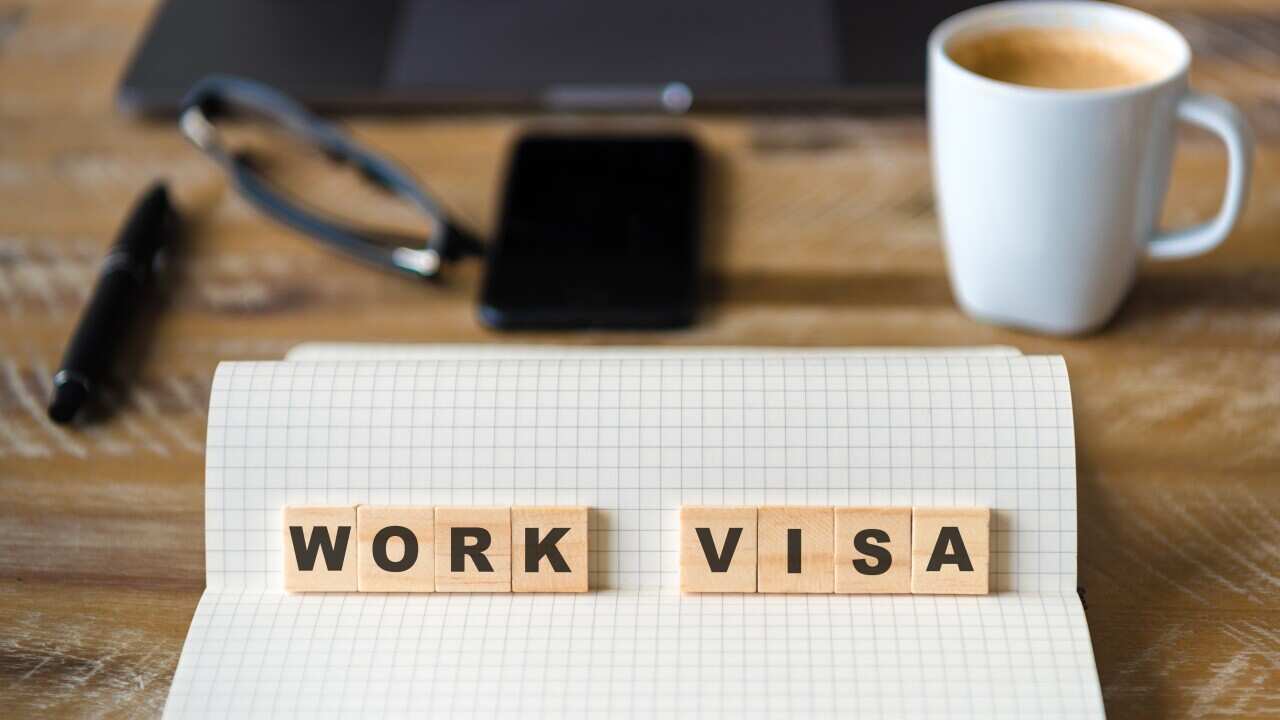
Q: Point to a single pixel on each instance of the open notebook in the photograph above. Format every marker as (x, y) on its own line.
(634, 436)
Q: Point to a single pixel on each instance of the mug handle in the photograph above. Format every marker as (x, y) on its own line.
(1224, 120)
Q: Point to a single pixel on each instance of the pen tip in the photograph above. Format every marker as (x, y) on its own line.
(66, 402)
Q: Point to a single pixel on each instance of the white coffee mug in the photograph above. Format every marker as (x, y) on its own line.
(1049, 198)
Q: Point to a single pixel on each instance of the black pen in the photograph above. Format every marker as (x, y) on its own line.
(123, 287)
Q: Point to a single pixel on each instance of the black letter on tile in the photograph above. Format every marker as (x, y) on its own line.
(535, 550)
(458, 548)
(862, 543)
(305, 550)
(949, 535)
(719, 562)
(410, 548)
(793, 551)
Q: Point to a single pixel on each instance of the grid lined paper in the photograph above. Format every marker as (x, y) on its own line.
(634, 438)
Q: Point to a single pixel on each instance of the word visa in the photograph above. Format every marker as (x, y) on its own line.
(415, 549)
(800, 549)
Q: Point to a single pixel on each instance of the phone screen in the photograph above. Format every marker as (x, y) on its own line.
(596, 232)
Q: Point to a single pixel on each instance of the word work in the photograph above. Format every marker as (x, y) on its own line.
(414, 549)
(847, 550)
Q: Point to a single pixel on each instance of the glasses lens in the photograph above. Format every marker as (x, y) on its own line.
(307, 176)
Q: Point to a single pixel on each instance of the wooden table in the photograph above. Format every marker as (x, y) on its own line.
(821, 232)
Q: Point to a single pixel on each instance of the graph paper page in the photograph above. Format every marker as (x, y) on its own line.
(634, 439)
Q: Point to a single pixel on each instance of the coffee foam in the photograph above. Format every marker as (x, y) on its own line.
(1060, 57)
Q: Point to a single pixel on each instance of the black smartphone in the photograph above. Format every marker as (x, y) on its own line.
(596, 232)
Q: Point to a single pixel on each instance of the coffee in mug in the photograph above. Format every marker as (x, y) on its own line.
(1051, 132)
(1064, 58)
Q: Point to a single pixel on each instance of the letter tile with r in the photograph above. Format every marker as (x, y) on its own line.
(473, 549)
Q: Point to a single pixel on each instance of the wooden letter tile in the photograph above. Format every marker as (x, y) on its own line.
(873, 549)
(796, 549)
(950, 550)
(396, 548)
(717, 549)
(549, 549)
(319, 548)
(473, 549)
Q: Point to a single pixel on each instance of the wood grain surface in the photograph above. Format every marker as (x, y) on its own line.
(820, 232)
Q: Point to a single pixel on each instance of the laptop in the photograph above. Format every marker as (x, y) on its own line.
(476, 55)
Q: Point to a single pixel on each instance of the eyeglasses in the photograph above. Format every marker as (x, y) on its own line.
(220, 97)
